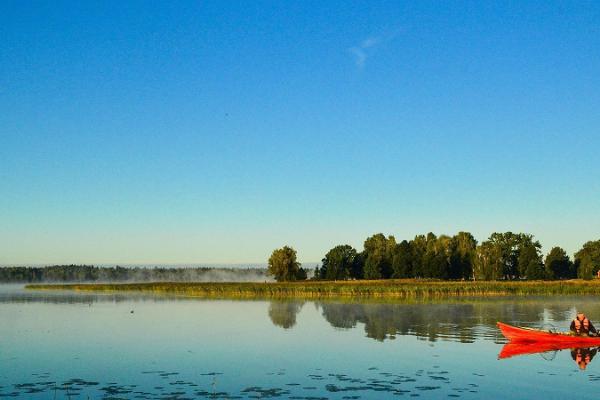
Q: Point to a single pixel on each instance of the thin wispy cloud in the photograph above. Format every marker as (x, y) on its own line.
(360, 56)
(369, 42)
(365, 48)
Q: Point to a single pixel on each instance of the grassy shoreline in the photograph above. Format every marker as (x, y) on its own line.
(395, 289)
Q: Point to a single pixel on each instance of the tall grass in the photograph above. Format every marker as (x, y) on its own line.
(323, 289)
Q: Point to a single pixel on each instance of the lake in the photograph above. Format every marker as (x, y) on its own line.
(116, 346)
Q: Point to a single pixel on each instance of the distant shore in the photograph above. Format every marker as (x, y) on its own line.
(395, 289)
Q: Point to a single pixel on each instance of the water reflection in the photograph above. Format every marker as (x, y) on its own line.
(385, 321)
(283, 313)
(462, 322)
(581, 355)
(183, 348)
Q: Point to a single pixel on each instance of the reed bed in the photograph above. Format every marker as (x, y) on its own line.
(399, 289)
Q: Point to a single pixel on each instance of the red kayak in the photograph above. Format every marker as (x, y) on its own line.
(528, 335)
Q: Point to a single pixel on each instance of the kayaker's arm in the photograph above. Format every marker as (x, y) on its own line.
(593, 329)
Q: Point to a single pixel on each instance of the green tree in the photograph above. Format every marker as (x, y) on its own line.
(507, 244)
(283, 265)
(339, 263)
(302, 274)
(558, 265)
(463, 248)
(317, 274)
(379, 254)
(587, 260)
(488, 263)
(529, 256)
(358, 269)
(436, 257)
(402, 261)
(530, 262)
(507, 248)
(418, 247)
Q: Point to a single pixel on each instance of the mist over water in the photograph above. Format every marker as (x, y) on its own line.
(199, 272)
(131, 274)
(209, 275)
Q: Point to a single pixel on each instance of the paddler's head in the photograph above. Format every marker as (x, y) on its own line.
(580, 316)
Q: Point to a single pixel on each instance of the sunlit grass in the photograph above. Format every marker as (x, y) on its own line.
(366, 288)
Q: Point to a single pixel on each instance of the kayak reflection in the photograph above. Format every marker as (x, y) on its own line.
(581, 355)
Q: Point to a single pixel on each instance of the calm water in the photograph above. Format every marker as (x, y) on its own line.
(80, 346)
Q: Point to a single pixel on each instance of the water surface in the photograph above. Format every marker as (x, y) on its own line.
(81, 345)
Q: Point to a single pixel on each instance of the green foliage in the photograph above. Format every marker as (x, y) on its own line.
(316, 274)
(558, 265)
(530, 262)
(507, 255)
(426, 256)
(358, 269)
(419, 247)
(503, 256)
(587, 260)
(436, 257)
(402, 261)
(463, 249)
(529, 252)
(379, 252)
(507, 243)
(302, 274)
(339, 263)
(535, 271)
(585, 268)
(488, 263)
(283, 265)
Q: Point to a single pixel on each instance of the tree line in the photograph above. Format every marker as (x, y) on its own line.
(90, 273)
(503, 256)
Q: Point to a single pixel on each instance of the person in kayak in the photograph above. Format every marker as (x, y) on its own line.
(582, 326)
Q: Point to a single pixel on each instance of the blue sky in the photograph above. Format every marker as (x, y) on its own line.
(187, 132)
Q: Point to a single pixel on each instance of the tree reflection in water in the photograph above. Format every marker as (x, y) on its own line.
(283, 313)
(456, 321)
(462, 322)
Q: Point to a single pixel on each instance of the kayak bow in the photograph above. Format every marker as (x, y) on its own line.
(528, 335)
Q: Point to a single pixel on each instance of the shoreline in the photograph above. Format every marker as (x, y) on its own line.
(385, 289)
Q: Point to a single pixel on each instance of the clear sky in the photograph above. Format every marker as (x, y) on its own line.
(183, 132)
